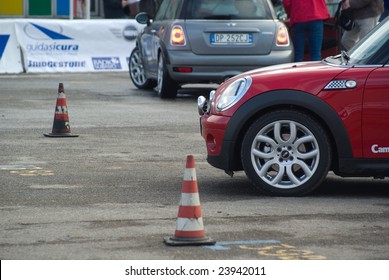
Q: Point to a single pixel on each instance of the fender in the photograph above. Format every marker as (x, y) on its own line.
(247, 113)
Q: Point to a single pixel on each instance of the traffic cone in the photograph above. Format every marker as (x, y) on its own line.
(189, 224)
(61, 125)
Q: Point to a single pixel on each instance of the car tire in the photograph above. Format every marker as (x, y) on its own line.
(286, 153)
(137, 73)
(166, 87)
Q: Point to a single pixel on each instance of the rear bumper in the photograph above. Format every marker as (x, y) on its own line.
(219, 67)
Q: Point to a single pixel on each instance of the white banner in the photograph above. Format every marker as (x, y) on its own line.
(51, 45)
(10, 55)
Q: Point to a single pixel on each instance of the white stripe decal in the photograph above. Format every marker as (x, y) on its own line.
(190, 199)
(189, 224)
(190, 174)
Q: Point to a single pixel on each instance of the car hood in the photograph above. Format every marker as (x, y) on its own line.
(310, 77)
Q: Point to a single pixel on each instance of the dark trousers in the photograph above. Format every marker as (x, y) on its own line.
(313, 31)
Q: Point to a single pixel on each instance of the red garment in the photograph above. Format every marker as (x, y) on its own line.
(306, 10)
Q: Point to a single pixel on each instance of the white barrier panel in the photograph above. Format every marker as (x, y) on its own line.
(76, 46)
(10, 55)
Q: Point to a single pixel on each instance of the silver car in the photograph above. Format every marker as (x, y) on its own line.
(206, 41)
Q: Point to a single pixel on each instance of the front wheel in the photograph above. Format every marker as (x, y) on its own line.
(286, 153)
(137, 73)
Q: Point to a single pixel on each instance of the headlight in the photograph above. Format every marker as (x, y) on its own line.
(233, 93)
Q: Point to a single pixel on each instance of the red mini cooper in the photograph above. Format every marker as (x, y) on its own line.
(287, 126)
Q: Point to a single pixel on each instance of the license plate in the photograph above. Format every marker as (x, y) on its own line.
(231, 38)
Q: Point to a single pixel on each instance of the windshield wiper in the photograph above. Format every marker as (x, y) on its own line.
(345, 57)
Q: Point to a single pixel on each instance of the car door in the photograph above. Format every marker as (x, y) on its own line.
(146, 49)
(149, 41)
(157, 34)
(375, 114)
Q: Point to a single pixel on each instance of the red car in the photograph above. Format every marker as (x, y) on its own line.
(287, 126)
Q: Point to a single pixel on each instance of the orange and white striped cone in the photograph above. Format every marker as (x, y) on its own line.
(61, 125)
(189, 224)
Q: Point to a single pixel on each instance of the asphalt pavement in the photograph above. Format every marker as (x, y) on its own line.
(113, 192)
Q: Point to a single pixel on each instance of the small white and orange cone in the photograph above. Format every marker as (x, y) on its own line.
(61, 125)
(189, 223)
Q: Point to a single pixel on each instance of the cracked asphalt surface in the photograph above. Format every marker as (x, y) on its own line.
(113, 192)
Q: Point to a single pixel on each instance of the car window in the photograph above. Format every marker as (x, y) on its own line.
(160, 14)
(229, 9)
(174, 9)
(373, 49)
(248, 9)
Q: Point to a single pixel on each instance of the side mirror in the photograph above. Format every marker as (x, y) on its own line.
(143, 18)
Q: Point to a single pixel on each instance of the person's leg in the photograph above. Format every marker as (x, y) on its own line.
(315, 38)
(298, 38)
(362, 27)
(366, 25)
(350, 38)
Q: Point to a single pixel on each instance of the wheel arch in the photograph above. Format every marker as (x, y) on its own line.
(285, 99)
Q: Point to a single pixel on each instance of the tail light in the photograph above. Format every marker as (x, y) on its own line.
(282, 36)
(177, 36)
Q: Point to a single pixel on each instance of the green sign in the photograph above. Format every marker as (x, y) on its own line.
(39, 8)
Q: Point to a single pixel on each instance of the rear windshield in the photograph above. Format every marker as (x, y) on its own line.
(229, 9)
